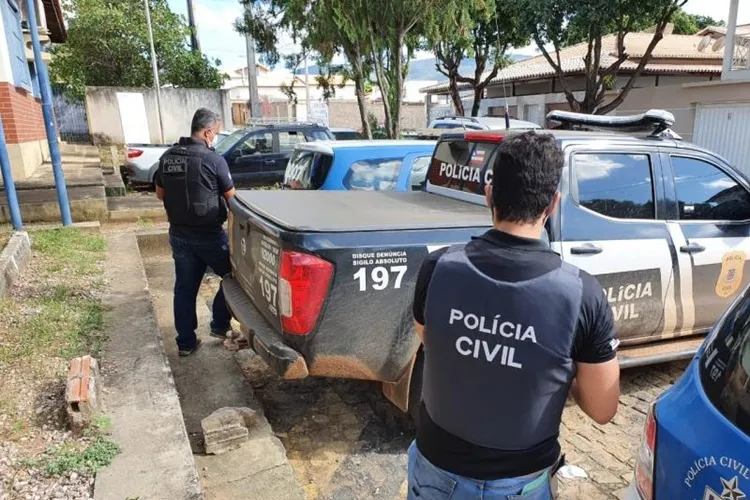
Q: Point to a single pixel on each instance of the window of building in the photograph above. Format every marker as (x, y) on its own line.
(706, 193)
(616, 185)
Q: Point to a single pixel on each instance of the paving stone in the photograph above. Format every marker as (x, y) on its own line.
(227, 429)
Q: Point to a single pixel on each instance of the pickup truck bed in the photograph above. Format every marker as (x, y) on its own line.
(350, 211)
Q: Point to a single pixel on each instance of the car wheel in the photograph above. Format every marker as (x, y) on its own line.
(415, 387)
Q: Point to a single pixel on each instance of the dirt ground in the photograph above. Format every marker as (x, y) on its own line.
(53, 313)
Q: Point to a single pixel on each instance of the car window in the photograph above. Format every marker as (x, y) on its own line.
(725, 366)
(373, 175)
(257, 143)
(307, 170)
(318, 135)
(347, 136)
(232, 139)
(462, 165)
(616, 185)
(706, 193)
(287, 140)
(419, 172)
(443, 125)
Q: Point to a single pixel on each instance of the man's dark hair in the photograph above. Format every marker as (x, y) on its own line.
(203, 119)
(525, 176)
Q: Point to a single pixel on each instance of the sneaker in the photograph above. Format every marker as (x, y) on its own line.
(188, 352)
(220, 334)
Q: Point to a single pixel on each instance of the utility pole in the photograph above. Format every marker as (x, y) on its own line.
(307, 91)
(252, 77)
(194, 43)
(49, 118)
(155, 67)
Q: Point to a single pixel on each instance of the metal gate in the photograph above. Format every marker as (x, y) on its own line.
(723, 129)
(70, 116)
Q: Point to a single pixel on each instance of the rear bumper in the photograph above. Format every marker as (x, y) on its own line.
(282, 359)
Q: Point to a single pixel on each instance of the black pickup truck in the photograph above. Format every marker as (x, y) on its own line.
(322, 282)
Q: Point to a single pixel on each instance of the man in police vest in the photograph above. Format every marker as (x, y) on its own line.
(509, 330)
(194, 183)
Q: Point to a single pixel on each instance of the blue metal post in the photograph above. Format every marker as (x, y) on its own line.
(49, 120)
(10, 186)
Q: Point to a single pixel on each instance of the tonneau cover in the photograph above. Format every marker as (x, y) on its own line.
(345, 211)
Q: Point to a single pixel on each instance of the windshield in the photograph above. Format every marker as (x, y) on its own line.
(373, 175)
(225, 144)
(307, 170)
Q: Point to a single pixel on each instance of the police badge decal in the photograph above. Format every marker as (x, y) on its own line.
(730, 491)
(730, 277)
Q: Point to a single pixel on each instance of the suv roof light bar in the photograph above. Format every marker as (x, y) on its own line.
(464, 118)
(653, 121)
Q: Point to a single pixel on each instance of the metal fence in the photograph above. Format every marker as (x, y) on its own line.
(70, 115)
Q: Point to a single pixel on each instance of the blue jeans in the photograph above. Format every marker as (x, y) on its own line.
(427, 482)
(192, 256)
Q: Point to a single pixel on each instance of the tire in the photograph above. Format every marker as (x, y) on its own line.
(415, 388)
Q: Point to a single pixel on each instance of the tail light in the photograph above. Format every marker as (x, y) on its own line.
(645, 463)
(134, 153)
(303, 285)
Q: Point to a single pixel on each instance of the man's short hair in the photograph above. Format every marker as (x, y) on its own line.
(203, 119)
(525, 176)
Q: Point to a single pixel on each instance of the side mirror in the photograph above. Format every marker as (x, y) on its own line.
(235, 154)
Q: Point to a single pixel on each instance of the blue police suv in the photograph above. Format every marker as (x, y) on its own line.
(695, 444)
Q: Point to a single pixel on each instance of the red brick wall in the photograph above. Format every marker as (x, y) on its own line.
(22, 115)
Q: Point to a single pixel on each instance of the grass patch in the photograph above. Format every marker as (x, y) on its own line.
(70, 249)
(75, 457)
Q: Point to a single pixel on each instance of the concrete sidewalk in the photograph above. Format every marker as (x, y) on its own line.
(140, 397)
(209, 380)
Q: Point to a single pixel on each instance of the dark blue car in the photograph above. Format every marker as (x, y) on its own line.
(388, 165)
(695, 443)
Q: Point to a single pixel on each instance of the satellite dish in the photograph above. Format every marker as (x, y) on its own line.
(719, 44)
(704, 43)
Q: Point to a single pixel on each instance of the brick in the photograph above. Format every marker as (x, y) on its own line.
(82, 394)
(227, 429)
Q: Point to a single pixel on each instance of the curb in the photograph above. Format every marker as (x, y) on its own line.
(153, 242)
(140, 395)
(13, 258)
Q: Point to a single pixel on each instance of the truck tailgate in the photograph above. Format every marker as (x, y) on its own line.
(356, 211)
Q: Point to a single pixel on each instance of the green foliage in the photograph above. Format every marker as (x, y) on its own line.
(108, 45)
(483, 30)
(72, 457)
(558, 23)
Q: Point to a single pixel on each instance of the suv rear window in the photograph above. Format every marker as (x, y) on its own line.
(725, 366)
(307, 170)
(462, 165)
(373, 175)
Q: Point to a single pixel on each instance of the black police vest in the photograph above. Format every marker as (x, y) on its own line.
(497, 365)
(191, 192)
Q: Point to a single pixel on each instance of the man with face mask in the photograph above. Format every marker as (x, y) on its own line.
(194, 184)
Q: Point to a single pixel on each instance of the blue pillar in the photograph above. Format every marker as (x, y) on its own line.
(49, 119)
(10, 186)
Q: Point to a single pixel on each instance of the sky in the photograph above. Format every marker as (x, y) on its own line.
(218, 39)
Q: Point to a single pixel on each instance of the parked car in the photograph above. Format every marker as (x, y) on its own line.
(480, 123)
(323, 282)
(346, 134)
(695, 442)
(359, 165)
(256, 155)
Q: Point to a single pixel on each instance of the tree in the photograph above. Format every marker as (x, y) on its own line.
(108, 45)
(484, 30)
(329, 27)
(558, 22)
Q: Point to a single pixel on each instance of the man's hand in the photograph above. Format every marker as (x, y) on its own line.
(160, 192)
(229, 194)
(596, 389)
(420, 330)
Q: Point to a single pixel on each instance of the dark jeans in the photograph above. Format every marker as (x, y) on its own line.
(192, 256)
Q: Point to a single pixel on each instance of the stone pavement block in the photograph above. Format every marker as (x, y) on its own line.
(603, 476)
(13, 258)
(227, 429)
(82, 393)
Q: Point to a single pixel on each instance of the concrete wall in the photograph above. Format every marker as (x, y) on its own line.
(681, 100)
(178, 106)
(346, 114)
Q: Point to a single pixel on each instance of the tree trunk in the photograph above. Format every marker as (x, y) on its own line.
(359, 85)
(458, 104)
(383, 84)
(398, 91)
